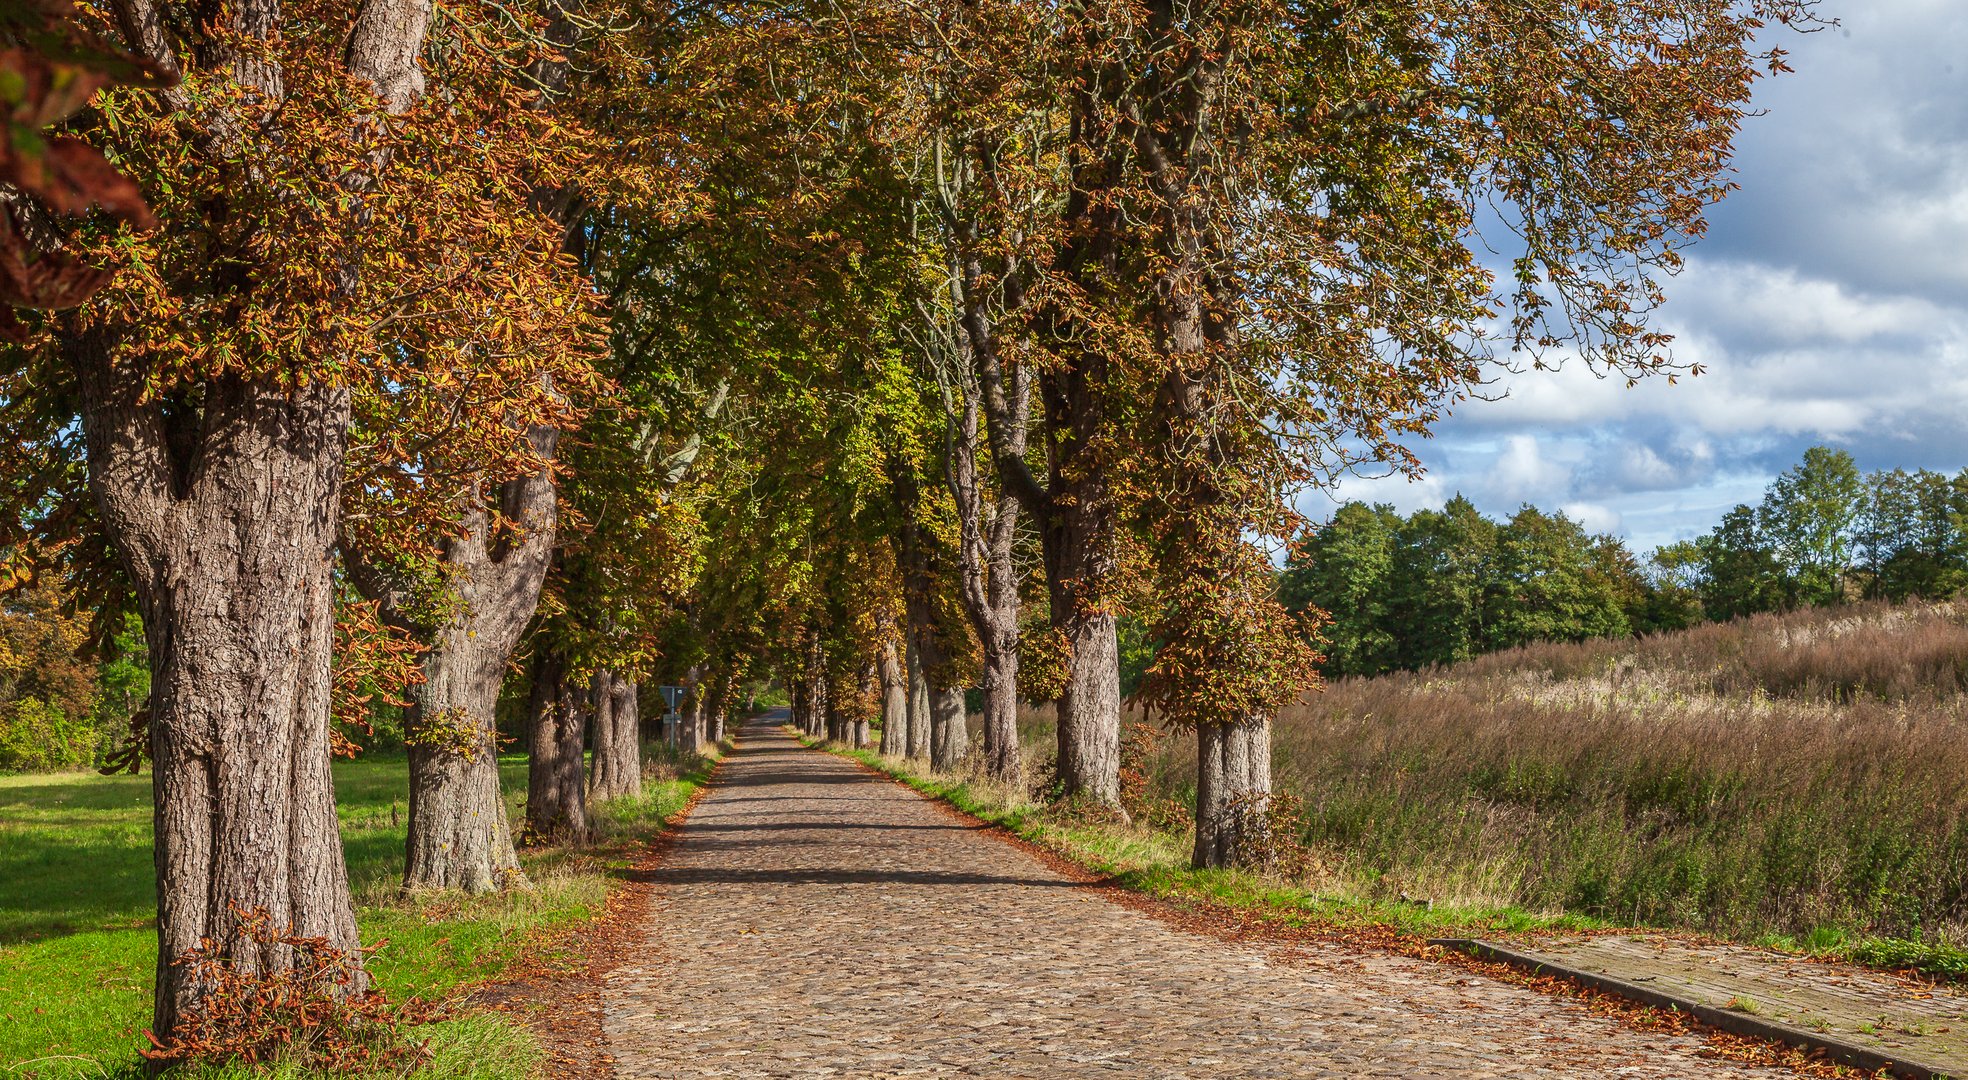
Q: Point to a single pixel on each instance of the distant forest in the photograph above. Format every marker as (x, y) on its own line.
(1436, 587)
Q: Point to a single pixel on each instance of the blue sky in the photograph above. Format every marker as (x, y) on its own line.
(1829, 303)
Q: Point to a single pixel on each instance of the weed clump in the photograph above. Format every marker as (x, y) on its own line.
(310, 1013)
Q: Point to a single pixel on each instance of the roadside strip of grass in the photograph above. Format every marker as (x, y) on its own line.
(1156, 863)
(77, 917)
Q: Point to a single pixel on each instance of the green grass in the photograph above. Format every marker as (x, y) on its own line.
(78, 909)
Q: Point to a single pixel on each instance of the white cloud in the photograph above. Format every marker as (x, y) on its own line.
(1523, 473)
(1829, 303)
(1594, 517)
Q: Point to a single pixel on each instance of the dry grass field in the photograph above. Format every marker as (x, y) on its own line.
(1798, 779)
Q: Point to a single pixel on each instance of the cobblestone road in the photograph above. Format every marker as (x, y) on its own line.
(814, 920)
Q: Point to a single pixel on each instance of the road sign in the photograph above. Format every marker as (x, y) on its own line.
(672, 696)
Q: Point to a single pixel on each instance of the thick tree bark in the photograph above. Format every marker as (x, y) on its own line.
(223, 507)
(1233, 788)
(1003, 756)
(556, 728)
(227, 530)
(989, 527)
(617, 738)
(1074, 507)
(458, 835)
(895, 701)
(949, 734)
(937, 730)
(628, 734)
(916, 744)
(1078, 537)
(1090, 711)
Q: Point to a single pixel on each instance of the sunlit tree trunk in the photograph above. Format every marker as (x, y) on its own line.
(949, 734)
(1233, 788)
(223, 507)
(693, 710)
(917, 743)
(895, 701)
(458, 835)
(720, 707)
(616, 736)
(231, 557)
(989, 526)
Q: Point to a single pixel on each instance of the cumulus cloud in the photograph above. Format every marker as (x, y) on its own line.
(1829, 303)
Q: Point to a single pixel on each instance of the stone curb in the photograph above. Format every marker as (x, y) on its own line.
(1738, 1023)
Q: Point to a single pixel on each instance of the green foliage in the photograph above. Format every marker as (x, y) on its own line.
(49, 703)
(1824, 534)
(1137, 653)
(1807, 518)
(1439, 587)
(1442, 586)
(1345, 568)
(1930, 958)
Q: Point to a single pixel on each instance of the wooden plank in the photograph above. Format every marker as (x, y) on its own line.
(1669, 994)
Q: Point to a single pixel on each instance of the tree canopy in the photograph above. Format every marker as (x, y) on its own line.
(418, 357)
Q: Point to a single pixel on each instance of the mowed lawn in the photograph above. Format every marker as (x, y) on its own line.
(78, 906)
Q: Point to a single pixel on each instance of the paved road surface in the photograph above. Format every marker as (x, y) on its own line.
(814, 920)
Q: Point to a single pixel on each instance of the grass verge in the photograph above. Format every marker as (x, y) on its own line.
(1155, 862)
(78, 908)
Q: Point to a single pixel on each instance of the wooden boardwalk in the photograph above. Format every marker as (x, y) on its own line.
(1863, 1017)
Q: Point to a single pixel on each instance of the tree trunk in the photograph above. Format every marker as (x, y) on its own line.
(693, 710)
(229, 544)
(949, 734)
(916, 745)
(458, 834)
(557, 720)
(837, 721)
(802, 702)
(989, 527)
(816, 708)
(223, 509)
(1003, 756)
(720, 707)
(617, 738)
(1078, 539)
(1233, 788)
(895, 702)
(817, 689)
(628, 734)
(1090, 712)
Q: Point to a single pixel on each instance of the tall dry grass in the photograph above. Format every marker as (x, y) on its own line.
(1776, 775)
